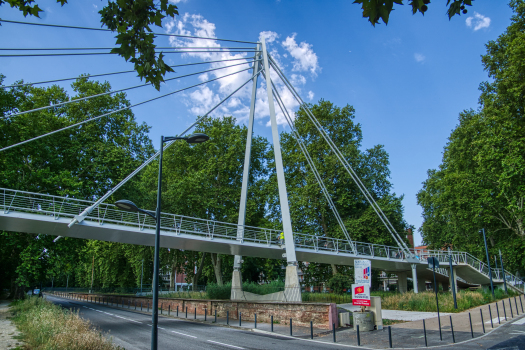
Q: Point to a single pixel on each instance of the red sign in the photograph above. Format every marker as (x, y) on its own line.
(361, 302)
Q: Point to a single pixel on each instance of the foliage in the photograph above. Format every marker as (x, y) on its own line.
(375, 10)
(48, 326)
(82, 163)
(131, 19)
(480, 181)
(338, 283)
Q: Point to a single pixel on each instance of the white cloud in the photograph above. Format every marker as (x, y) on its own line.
(298, 79)
(304, 56)
(310, 95)
(269, 36)
(177, 1)
(477, 22)
(203, 100)
(419, 57)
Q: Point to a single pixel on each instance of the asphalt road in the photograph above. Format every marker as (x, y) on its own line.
(132, 330)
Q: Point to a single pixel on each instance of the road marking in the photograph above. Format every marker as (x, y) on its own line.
(187, 335)
(520, 321)
(228, 345)
(494, 320)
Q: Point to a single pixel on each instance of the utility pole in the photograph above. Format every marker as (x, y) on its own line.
(92, 273)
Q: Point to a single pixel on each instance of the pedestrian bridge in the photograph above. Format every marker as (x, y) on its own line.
(45, 214)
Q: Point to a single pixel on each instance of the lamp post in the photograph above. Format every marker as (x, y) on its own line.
(488, 262)
(127, 205)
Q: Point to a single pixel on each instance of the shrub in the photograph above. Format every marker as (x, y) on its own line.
(338, 283)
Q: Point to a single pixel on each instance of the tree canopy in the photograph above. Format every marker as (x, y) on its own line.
(480, 181)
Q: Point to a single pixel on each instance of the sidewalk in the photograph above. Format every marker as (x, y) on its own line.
(8, 331)
(398, 315)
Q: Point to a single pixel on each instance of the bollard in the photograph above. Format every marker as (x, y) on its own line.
(135, 305)
(516, 304)
(205, 314)
(141, 306)
(425, 332)
(497, 310)
(504, 311)
(483, 324)
(255, 323)
(311, 330)
(186, 312)
(358, 337)
(333, 331)
(452, 329)
(148, 306)
(291, 327)
(271, 322)
(390, 336)
(490, 315)
(470, 320)
(228, 318)
(240, 319)
(195, 314)
(510, 307)
(169, 309)
(161, 308)
(129, 304)
(215, 315)
(177, 310)
(521, 304)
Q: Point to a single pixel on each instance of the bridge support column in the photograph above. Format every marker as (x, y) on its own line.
(414, 279)
(402, 281)
(237, 292)
(454, 281)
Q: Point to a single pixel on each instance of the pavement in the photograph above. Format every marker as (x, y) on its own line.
(132, 330)
(8, 332)
(398, 315)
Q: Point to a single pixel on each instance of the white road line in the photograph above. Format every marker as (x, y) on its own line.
(187, 335)
(520, 321)
(228, 345)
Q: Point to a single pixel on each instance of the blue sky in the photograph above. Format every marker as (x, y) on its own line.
(408, 81)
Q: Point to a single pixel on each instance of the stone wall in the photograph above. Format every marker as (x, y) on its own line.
(321, 314)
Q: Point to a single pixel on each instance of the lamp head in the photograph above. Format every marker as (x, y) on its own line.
(127, 205)
(197, 138)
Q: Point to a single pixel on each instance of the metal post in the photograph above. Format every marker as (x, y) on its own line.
(452, 329)
(290, 327)
(195, 314)
(271, 322)
(281, 183)
(177, 310)
(471, 330)
(488, 263)
(503, 271)
(186, 312)
(390, 336)
(141, 275)
(504, 311)
(453, 278)
(205, 315)
(155, 314)
(510, 307)
(333, 330)
(437, 302)
(414, 278)
(516, 304)
(161, 308)
(521, 304)
(483, 324)
(240, 317)
(358, 337)
(311, 330)
(255, 323)
(497, 310)
(215, 315)
(227, 317)
(425, 333)
(490, 315)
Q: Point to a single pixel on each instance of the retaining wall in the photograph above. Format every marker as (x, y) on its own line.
(321, 314)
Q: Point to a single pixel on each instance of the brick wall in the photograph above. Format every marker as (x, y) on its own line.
(322, 314)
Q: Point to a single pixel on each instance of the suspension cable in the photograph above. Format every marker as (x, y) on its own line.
(109, 30)
(116, 91)
(126, 71)
(317, 176)
(115, 53)
(89, 209)
(343, 160)
(118, 110)
(116, 47)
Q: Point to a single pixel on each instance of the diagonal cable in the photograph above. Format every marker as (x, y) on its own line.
(89, 209)
(313, 167)
(343, 160)
(116, 53)
(122, 72)
(118, 110)
(116, 91)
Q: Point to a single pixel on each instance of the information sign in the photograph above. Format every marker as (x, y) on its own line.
(363, 271)
(361, 294)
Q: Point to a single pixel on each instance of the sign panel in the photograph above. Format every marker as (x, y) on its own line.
(361, 294)
(433, 262)
(363, 271)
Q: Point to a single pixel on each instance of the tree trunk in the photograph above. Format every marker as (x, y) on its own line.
(334, 269)
(216, 262)
(198, 274)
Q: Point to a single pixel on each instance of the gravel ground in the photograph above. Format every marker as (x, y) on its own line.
(8, 330)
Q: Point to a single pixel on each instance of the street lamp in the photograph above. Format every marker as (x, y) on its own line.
(488, 261)
(127, 205)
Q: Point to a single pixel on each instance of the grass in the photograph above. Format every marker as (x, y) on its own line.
(45, 326)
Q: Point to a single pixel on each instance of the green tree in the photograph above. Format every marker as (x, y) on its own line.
(309, 209)
(375, 10)
(83, 163)
(131, 19)
(480, 181)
